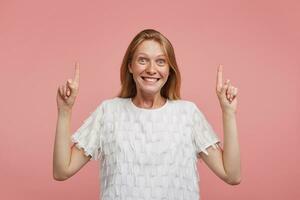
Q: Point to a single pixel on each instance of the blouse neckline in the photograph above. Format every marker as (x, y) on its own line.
(148, 109)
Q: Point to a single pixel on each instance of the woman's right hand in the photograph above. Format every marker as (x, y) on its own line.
(66, 94)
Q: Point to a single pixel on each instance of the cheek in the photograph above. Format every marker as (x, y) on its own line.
(137, 68)
(166, 73)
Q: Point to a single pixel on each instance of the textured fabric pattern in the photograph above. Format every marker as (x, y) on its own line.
(146, 153)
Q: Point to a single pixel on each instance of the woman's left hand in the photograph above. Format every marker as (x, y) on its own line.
(227, 93)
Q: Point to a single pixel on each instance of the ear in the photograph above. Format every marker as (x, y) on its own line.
(129, 68)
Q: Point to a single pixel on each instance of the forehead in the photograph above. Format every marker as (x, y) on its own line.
(150, 48)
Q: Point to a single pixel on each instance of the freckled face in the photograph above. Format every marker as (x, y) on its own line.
(149, 67)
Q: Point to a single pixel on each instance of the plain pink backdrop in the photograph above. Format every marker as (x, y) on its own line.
(256, 41)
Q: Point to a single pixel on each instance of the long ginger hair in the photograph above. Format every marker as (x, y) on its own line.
(171, 89)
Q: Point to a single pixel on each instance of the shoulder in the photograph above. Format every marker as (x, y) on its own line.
(183, 103)
(112, 103)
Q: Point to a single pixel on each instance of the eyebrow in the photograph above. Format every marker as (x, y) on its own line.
(147, 55)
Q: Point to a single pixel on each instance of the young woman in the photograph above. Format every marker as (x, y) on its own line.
(147, 138)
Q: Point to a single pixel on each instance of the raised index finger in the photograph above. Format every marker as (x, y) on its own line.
(220, 76)
(76, 78)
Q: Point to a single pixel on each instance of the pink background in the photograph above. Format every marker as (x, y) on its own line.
(256, 41)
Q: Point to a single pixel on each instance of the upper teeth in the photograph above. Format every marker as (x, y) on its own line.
(150, 79)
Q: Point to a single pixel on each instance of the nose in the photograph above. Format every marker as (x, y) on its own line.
(151, 68)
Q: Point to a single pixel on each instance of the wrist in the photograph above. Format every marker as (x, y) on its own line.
(64, 111)
(229, 113)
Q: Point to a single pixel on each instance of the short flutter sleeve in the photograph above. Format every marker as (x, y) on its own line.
(89, 135)
(203, 134)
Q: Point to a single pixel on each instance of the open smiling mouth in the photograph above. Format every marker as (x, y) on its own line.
(150, 79)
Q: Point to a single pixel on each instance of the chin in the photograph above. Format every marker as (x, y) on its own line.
(149, 92)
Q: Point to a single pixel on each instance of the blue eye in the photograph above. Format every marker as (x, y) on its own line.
(142, 60)
(161, 61)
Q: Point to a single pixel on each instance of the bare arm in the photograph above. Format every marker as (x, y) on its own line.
(67, 159)
(62, 145)
(226, 163)
(231, 155)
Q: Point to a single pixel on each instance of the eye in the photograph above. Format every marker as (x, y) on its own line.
(142, 60)
(161, 61)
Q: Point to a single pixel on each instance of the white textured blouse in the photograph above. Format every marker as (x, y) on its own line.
(146, 153)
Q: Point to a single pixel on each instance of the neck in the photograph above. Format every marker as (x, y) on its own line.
(149, 101)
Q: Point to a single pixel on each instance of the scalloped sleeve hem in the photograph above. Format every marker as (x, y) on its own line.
(203, 134)
(215, 144)
(89, 135)
(87, 151)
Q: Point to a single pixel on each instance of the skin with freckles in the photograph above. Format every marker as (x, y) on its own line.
(149, 61)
